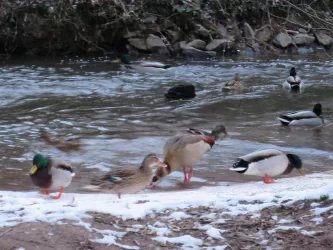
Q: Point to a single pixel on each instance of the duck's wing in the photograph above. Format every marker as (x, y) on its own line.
(179, 142)
(300, 115)
(119, 174)
(260, 155)
(197, 132)
(293, 80)
(60, 164)
(230, 83)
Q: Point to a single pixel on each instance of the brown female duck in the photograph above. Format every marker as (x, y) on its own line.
(126, 180)
(185, 151)
(234, 84)
(66, 145)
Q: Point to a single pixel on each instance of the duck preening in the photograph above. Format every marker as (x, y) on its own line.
(268, 163)
(143, 67)
(126, 180)
(293, 81)
(303, 118)
(185, 151)
(181, 92)
(51, 174)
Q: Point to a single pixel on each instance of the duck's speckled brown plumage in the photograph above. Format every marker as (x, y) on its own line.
(66, 145)
(126, 180)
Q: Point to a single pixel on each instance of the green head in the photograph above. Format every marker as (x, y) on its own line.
(125, 59)
(39, 162)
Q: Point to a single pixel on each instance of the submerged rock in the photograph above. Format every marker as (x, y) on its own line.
(182, 91)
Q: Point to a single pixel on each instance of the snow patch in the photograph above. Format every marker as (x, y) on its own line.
(212, 231)
(178, 216)
(160, 231)
(186, 240)
(305, 232)
(320, 210)
(284, 221)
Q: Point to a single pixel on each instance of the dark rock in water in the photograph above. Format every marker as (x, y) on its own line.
(181, 92)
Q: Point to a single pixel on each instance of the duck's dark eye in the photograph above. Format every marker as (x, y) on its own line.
(155, 179)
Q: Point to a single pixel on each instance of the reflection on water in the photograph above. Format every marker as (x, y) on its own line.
(122, 115)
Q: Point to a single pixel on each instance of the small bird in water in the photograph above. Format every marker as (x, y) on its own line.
(51, 174)
(65, 145)
(126, 180)
(235, 84)
(267, 163)
(293, 81)
(185, 151)
(303, 118)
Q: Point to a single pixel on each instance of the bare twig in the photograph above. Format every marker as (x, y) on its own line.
(7, 231)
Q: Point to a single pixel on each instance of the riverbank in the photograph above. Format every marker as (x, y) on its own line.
(190, 28)
(294, 213)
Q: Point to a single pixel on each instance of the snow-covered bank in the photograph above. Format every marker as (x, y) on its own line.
(231, 201)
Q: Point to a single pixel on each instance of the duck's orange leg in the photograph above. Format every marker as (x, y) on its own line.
(59, 195)
(186, 180)
(268, 180)
(44, 191)
(190, 174)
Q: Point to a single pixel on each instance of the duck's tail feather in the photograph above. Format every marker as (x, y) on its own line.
(240, 166)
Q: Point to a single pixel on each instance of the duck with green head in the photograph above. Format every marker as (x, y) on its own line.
(143, 67)
(51, 174)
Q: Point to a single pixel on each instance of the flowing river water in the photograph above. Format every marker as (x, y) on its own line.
(123, 115)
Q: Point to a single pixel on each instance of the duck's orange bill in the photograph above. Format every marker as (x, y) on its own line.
(33, 169)
(303, 171)
(160, 164)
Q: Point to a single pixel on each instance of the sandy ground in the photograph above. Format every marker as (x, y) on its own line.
(299, 226)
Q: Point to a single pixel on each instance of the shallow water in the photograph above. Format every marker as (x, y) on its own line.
(123, 115)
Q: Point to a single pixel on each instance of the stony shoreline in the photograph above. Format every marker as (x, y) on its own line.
(190, 28)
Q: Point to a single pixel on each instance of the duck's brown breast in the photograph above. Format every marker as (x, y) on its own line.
(42, 178)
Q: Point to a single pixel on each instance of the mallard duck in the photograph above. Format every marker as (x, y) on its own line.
(66, 145)
(235, 84)
(51, 174)
(303, 118)
(267, 163)
(143, 67)
(181, 92)
(184, 151)
(293, 81)
(126, 180)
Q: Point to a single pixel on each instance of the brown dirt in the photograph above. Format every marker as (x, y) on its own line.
(256, 230)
